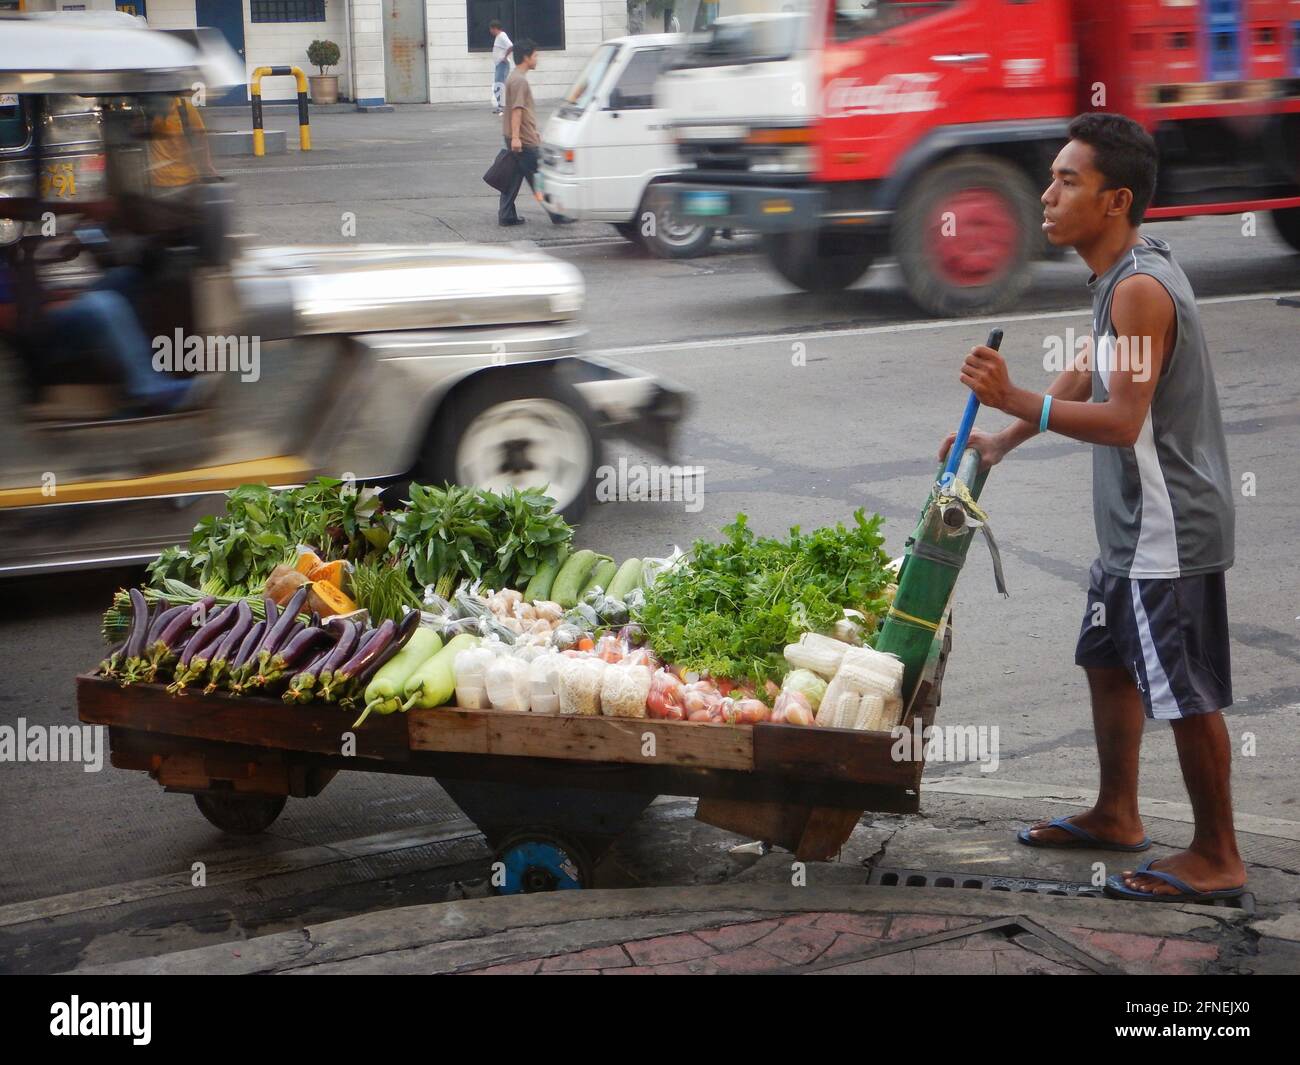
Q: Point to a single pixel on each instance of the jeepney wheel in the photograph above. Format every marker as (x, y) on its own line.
(1287, 224)
(516, 427)
(965, 236)
(820, 260)
(240, 815)
(672, 237)
(533, 862)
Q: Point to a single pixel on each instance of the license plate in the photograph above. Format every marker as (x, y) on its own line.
(705, 202)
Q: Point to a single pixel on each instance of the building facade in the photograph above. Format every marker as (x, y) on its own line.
(392, 51)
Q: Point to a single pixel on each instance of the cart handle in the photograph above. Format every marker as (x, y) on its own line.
(958, 450)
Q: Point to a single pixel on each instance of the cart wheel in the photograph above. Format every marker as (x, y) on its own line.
(240, 815)
(535, 862)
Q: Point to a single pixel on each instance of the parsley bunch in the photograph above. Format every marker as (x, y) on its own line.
(731, 612)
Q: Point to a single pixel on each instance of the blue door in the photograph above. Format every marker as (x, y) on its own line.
(229, 19)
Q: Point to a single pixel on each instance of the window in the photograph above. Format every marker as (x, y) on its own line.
(865, 18)
(288, 10)
(636, 88)
(540, 20)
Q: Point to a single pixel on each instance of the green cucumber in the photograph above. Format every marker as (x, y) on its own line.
(600, 576)
(539, 587)
(572, 577)
(385, 690)
(627, 578)
(434, 682)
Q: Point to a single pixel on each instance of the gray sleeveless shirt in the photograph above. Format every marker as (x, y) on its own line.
(1164, 507)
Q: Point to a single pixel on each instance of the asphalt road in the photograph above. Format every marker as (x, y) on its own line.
(804, 409)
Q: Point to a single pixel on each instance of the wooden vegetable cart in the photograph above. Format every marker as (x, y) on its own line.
(550, 793)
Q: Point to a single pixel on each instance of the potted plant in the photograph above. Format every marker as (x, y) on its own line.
(324, 87)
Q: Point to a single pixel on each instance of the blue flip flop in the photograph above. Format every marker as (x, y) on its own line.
(1084, 840)
(1117, 889)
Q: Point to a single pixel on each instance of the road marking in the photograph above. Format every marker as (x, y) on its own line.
(233, 871)
(900, 327)
(983, 787)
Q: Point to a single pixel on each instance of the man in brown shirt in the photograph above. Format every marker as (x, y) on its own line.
(519, 124)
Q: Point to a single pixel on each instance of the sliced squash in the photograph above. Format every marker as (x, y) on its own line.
(327, 600)
(337, 573)
(306, 561)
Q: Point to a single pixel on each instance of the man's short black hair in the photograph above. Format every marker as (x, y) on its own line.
(495, 24)
(1124, 153)
(523, 49)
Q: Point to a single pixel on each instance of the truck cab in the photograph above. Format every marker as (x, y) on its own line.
(849, 130)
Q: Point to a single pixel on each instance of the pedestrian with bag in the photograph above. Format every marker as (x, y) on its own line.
(501, 46)
(519, 124)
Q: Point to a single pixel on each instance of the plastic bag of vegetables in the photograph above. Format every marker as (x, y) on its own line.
(806, 682)
(623, 691)
(544, 684)
(580, 683)
(470, 671)
(507, 684)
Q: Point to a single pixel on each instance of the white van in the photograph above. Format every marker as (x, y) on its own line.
(607, 144)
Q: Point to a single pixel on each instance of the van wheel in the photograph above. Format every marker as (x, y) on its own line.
(1287, 224)
(819, 261)
(522, 428)
(965, 236)
(672, 237)
(629, 231)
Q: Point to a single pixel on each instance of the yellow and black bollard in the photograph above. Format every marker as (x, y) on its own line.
(255, 97)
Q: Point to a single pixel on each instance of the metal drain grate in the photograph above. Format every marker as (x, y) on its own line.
(884, 877)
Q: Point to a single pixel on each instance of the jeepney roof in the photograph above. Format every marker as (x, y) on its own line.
(107, 53)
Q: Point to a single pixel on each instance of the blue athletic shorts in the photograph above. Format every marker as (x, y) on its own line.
(1171, 636)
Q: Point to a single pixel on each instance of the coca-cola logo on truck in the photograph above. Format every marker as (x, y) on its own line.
(895, 94)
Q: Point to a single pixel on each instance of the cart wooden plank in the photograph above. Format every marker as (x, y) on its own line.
(258, 722)
(637, 741)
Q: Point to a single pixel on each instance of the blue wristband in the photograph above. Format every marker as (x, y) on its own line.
(1047, 410)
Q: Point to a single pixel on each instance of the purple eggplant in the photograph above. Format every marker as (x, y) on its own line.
(405, 630)
(229, 645)
(293, 654)
(193, 662)
(160, 607)
(113, 660)
(168, 633)
(367, 651)
(247, 648)
(278, 633)
(132, 660)
(305, 681)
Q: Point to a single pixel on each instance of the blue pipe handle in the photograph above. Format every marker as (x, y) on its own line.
(967, 421)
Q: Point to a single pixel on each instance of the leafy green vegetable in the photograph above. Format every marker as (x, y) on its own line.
(454, 533)
(732, 610)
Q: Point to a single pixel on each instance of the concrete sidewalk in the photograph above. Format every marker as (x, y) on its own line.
(743, 910)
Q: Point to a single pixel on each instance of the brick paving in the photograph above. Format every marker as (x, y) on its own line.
(843, 943)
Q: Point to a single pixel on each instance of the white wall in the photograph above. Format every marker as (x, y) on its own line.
(276, 44)
(270, 44)
(458, 75)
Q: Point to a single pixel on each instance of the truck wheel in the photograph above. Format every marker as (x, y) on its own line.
(524, 427)
(240, 815)
(819, 261)
(672, 237)
(965, 235)
(1287, 224)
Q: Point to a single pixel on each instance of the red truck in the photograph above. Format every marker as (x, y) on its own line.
(848, 130)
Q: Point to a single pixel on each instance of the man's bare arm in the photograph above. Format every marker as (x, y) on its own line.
(1145, 320)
